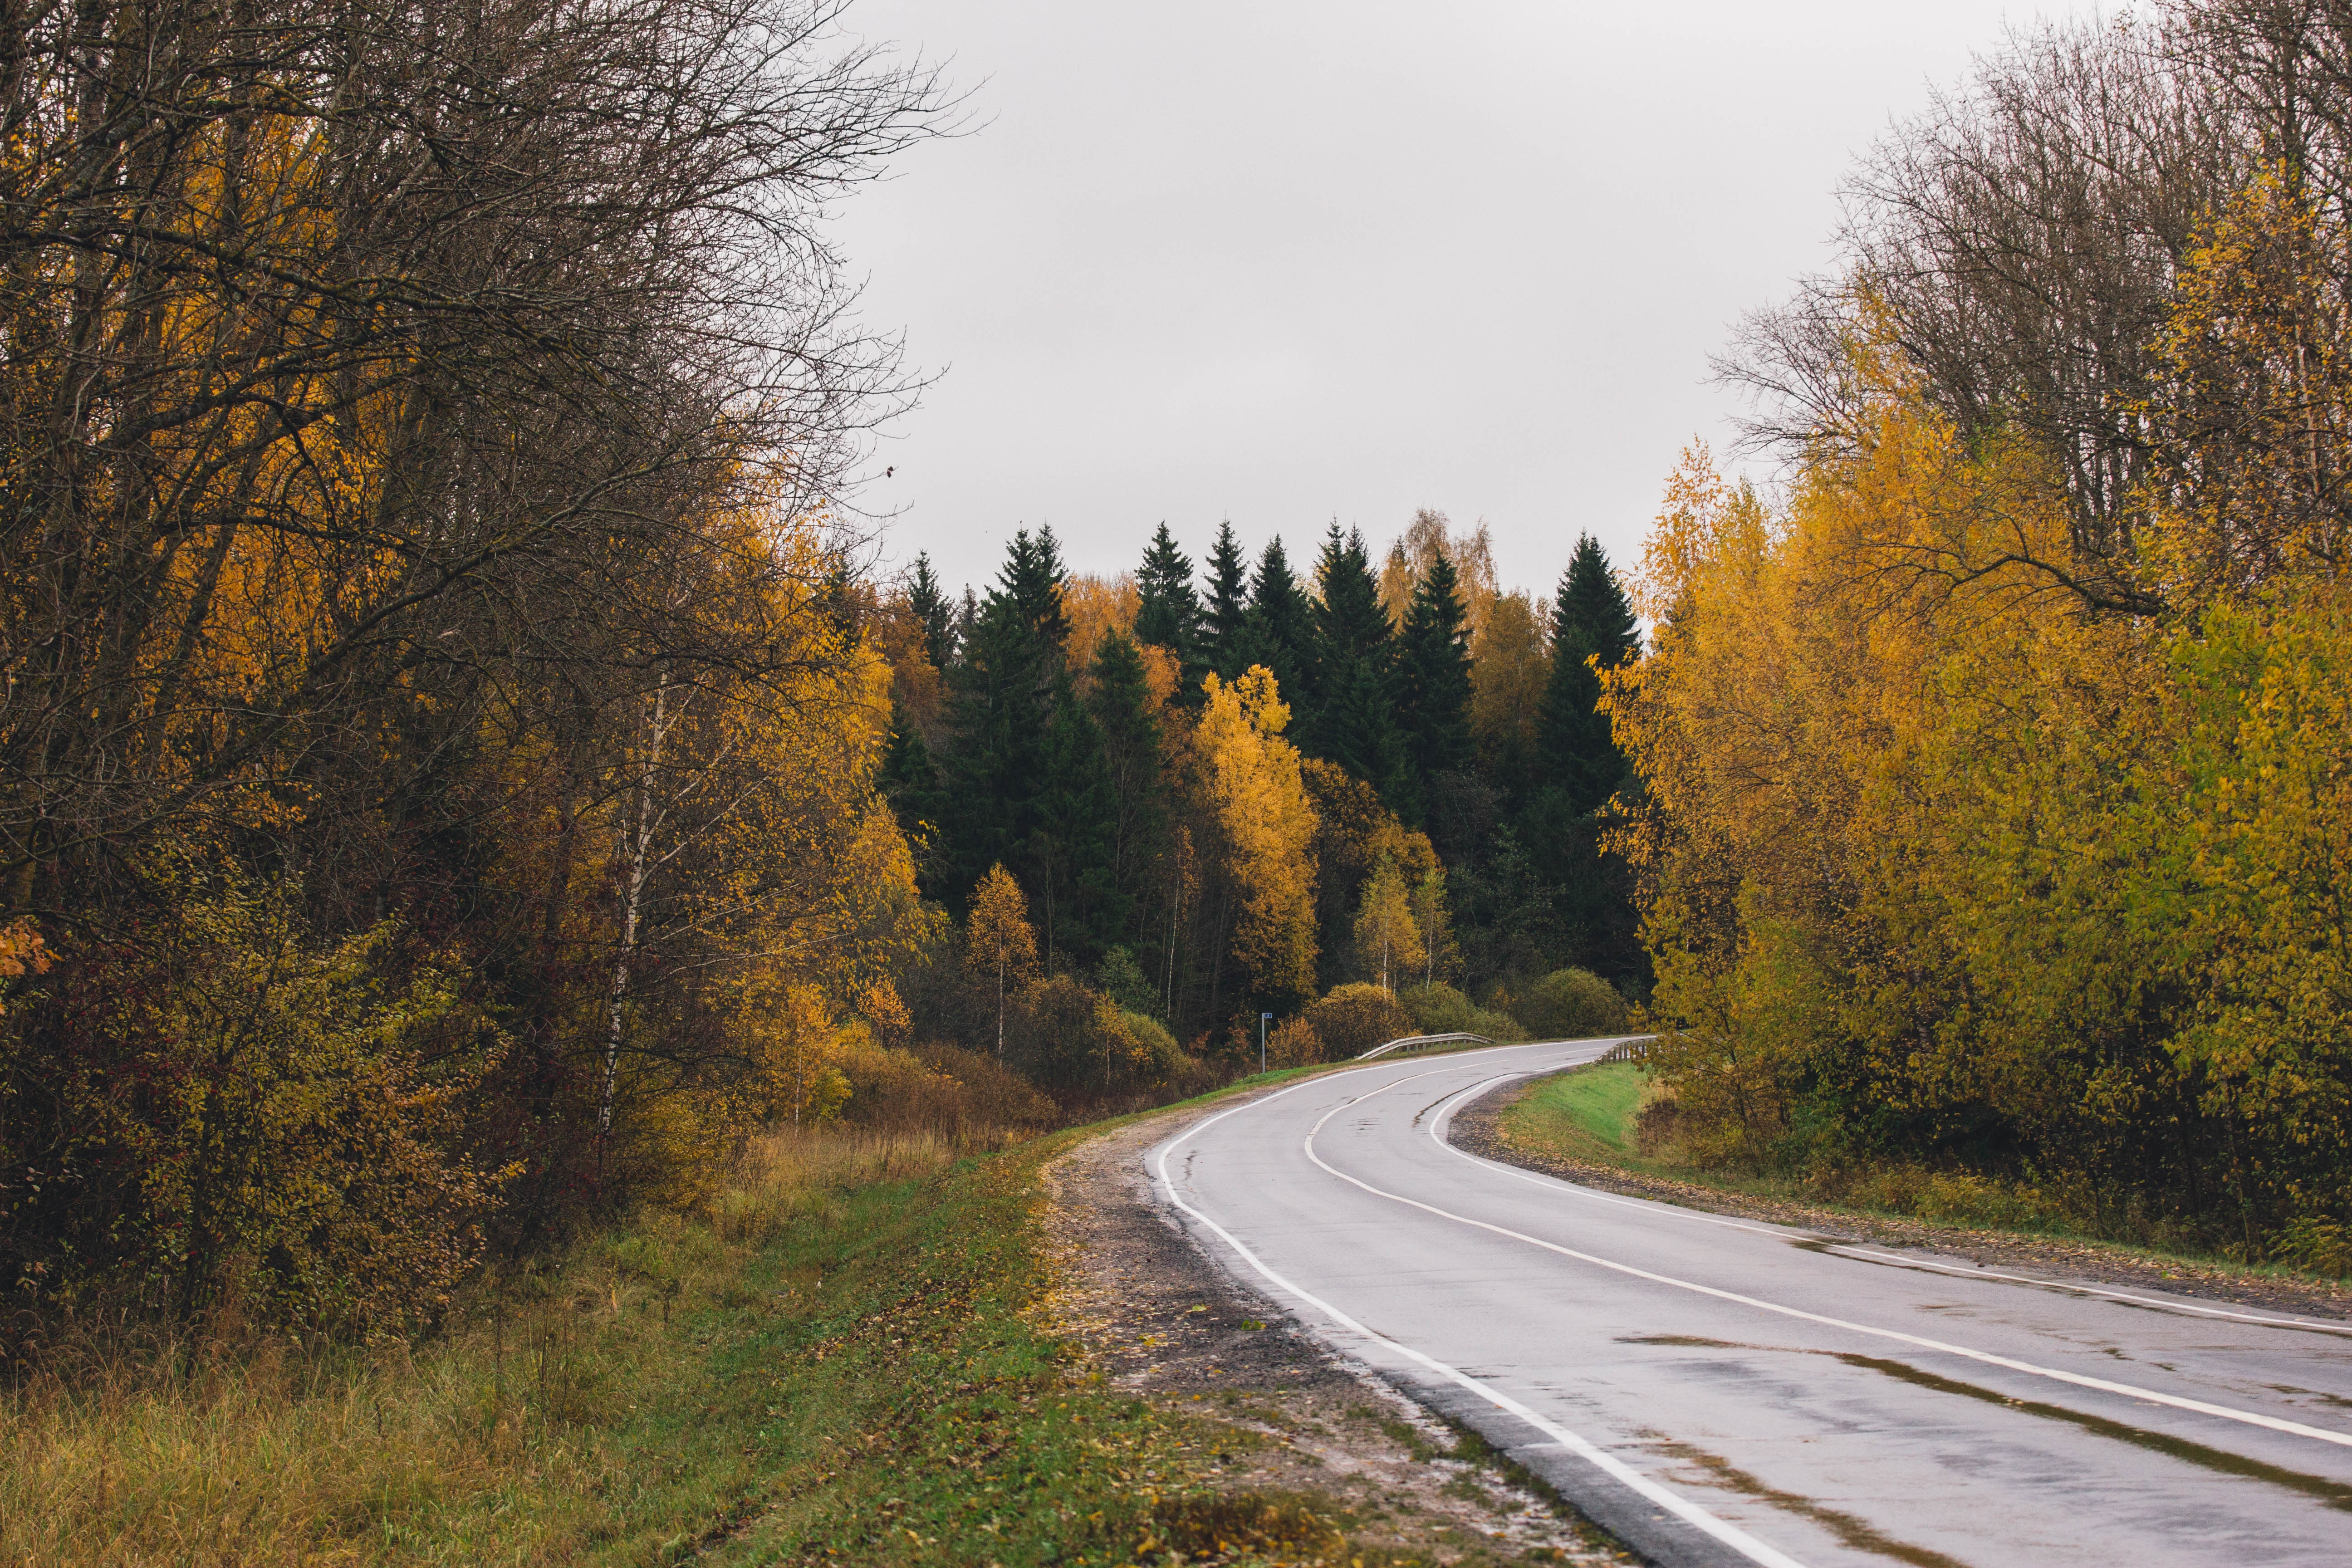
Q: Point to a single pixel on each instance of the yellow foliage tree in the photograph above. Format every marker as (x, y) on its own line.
(1388, 937)
(1428, 536)
(1096, 606)
(1436, 924)
(1250, 777)
(999, 945)
(1509, 667)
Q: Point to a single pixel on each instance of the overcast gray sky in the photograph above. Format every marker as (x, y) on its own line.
(1286, 261)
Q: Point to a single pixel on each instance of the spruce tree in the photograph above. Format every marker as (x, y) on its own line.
(933, 611)
(1433, 678)
(1228, 607)
(1593, 619)
(1119, 698)
(1000, 707)
(1351, 721)
(1591, 598)
(1072, 849)
(967, 621)
(1033, 581)
(1168, 616)
(911, 782)
(1278, 631)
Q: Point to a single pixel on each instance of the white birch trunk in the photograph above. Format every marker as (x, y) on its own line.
(639, 841)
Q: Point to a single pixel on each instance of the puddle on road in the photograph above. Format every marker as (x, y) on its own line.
(2336, 1400)
(1858, 1533)
(1841, 1250)
(2335, 1494)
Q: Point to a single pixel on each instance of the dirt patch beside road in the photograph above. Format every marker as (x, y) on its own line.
(1157, 1318)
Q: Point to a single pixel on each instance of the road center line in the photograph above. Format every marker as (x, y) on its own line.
(1722, 1530)
(2129, 1390)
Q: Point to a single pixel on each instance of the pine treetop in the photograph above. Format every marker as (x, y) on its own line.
(1168, 616)
(1576, 753)
(1281, 627)
(1031, 585)
(1228, 598)
(1349, 618)
(934, 613)
(1432, 675)
(1593, 612)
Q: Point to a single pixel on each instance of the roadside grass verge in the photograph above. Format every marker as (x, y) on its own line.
(1593, 1115)
(572, 1414)
(840, 1362)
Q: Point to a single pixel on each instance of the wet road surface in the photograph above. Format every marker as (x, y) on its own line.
(1719, 1391)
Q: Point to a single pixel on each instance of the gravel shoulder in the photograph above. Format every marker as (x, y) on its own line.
(1153, 1316)
(1477, 1129)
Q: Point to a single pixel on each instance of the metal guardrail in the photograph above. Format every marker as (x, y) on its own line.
(1411, 1041)
(1633, 1050)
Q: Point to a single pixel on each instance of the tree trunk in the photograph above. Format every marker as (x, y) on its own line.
(639, 841)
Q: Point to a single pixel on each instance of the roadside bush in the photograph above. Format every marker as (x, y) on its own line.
(1570, 1003)
(961, 1096)
(1293, 1044)
(1157, 1059)
(1121, 978)
(1077, 1045)
(2321, 1245)
(1067, 1038)
(1440, 1009)
(1352, 1019)
(256, 1119)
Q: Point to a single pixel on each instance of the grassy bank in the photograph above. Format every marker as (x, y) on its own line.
(839, 1363)
(1593, 1115)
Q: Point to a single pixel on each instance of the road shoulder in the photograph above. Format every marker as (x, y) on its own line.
(1478, 1129)
(1159, 1319)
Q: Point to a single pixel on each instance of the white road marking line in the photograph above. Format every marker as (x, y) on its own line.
(2129, 1390)
(1437, 1122)
(1730, 1534)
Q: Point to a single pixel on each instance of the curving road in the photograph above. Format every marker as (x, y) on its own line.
(1722, 1391)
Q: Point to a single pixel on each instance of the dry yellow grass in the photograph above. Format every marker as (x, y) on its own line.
(493, 1442)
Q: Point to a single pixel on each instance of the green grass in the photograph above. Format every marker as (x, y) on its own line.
(1598, 1102)
(848, 1361)
(1589, 1113)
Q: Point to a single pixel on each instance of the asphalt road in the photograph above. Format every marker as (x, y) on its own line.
(1717, 1391)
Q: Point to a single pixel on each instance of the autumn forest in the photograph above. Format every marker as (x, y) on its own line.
(467, 766)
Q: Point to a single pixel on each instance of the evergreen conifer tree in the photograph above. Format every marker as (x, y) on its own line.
(1072, 849)
(1119, 698)
(1433, 678)
(1168, 614)
(1351, 721)
(1593, 619)
(1033, 581)
(967, 621)
(933, 611)
(911, 782)
(1002, 698)
(1278, 631)
(1228, 607)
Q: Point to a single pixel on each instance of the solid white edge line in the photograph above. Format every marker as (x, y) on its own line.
(1730, 1534)
(2161, 1303)
(2129, 1390)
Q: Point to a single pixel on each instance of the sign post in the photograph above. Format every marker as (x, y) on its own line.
(1262, 1018)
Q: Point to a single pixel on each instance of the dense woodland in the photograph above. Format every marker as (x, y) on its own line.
(1234, 791)
(1997, 771)
(463, 768)
(460, 769)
